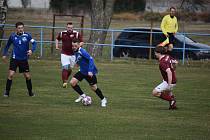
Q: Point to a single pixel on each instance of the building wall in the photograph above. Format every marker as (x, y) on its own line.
(32, 4)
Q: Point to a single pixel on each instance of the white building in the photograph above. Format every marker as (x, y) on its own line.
(31, 4)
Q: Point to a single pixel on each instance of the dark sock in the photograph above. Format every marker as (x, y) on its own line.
(29, 86)
(99, 93)
(166, 97)
(78, 89)
(8, 85)
(65, 74)
(69, 73)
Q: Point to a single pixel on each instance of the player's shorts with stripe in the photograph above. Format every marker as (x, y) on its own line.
(22, 64)
(163, 86)
(91, 80)
(170, 36)
(68, 60)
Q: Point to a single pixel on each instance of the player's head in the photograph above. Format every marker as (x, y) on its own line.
(69, 26)
(19, 28)
(75, 44)
(159, 51)
(172, 11)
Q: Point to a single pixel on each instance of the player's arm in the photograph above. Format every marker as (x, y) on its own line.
(176, 26)
(57, 41)
(34, 45)
(91, 62)
(81, 40)
(169, 74)
(5, 51)
(163, 23)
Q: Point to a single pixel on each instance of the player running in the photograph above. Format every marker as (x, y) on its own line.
(87, 71)
(67, 54)
(164, 90)
(19, 57)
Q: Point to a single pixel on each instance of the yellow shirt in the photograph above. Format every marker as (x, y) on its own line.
(169, 25)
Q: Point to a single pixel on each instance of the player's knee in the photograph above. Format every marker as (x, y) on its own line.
(154, 92)
(94, 87)
(73, 82)
(11, 75)
(27, 76)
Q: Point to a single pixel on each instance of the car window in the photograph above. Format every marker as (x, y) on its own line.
(180, 37)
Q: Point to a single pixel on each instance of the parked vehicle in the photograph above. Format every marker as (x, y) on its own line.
(135, 44)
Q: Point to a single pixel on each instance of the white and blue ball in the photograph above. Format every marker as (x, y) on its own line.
(87, 100)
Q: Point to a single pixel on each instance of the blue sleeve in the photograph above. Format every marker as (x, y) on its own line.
(33, 42)
(9, 42)
(90, 58)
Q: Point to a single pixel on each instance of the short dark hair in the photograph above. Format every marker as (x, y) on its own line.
(69, 23)
(75, 40)
(18, 24)
(160, 49)
(172, 8)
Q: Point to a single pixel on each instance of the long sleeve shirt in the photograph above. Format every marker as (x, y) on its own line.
(85, 61)
(169, 25)
(20, 46)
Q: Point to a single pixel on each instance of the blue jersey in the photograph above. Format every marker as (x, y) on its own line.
(85, 61)
(20, 46)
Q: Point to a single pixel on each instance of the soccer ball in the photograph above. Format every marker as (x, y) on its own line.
(86, 101)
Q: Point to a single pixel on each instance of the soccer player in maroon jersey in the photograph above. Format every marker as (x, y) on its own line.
(166, 66)
(67, 54)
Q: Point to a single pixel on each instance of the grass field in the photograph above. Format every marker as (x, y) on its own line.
(132, 113)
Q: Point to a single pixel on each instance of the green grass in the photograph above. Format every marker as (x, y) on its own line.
(132, 113)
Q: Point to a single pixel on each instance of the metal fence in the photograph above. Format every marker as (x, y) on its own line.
(43, 36)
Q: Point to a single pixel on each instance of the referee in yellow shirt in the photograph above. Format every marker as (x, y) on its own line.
(169, 27)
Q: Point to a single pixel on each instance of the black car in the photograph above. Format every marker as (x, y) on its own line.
(134, 42)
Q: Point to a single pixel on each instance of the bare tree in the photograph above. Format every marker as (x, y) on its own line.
(3, 12)
(25, 3)
(101, 14)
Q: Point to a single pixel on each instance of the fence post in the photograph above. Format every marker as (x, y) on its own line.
(41, 42)
(183, 51)
(112, 45)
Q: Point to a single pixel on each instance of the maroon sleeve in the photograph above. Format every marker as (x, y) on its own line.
(80, 37)
(58, 37)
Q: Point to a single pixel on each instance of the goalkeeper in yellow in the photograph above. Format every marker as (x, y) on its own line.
(169, 27)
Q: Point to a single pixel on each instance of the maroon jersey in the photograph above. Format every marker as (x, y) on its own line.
(165, 63)
(66, 38)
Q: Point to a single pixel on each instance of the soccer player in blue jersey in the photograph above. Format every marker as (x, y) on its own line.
(19, 56)
(87, 71)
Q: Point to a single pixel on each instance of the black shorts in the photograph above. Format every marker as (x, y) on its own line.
(22, 64)
(91, 80)
(170, 36)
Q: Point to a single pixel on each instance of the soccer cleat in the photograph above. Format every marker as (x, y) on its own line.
(172, 104)
(103, 102)
(80, 98)
(6, 94)
(31, 94)
(64, 85)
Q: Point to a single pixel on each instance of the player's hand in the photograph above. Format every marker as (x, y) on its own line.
(4, 58)
(166, 35)
(29, 52)
(90, 74)
(57, 48)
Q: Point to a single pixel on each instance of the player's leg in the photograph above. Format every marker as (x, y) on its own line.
(11, 73)
(66, 69)
(74, 84)
(24, 68)
(93, 84)
(162, 92)
(171, 41)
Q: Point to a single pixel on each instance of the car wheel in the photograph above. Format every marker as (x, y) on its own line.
(125, 52)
